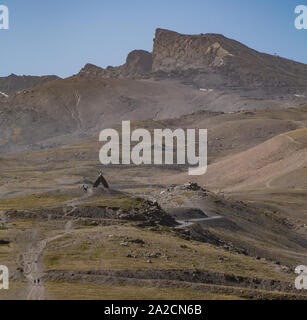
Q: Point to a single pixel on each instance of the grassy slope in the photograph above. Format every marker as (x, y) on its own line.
(55, 171)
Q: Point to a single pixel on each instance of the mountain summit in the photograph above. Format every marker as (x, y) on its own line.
(216, 60)
(184, 74)
(208, 60)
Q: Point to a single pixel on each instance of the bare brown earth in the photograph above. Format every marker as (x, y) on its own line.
(183, 74)
(116, 239)
(60, 112)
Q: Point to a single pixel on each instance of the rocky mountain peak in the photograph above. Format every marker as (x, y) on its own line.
(138, 65)
(174, 51)
(139, 62)
(207, 61)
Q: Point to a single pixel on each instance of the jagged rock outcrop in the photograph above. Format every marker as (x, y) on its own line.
(14, 83)
(138, 65)
(208, 60)
(174, 51)
(212, 59)
(139, 62)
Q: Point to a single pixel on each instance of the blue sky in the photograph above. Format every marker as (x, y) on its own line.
(60, 36)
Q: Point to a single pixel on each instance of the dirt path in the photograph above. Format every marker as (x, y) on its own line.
(292, 139)
(268, 183)
(32, 258)
(190, 222)
(74, 202)
(33, 264)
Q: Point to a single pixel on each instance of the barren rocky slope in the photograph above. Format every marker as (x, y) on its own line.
(184, 74)
(213, 59)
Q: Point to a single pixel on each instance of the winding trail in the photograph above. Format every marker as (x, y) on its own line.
(268, 183)
(33, 264)
(32, 258)
(184, 224)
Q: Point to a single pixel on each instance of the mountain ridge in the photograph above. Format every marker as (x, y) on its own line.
(14, 83)
(208, 60)
(183, 75)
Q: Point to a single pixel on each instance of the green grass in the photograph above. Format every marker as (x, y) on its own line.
(117, 202)
(82, 291)
(31, 202)
(101, 248)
